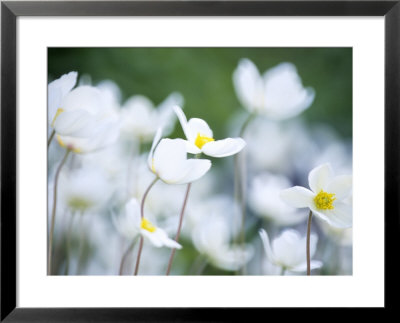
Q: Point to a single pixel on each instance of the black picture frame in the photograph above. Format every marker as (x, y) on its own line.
(11, 10)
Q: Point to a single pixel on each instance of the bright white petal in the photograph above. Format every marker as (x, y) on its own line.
(169, 158)
(339, 217)
(297, 196)
(223, 148)
(267, 246)
(320, 177)
(191, 148)
(192, 170)
(86, 98)
(341, 186)
(198, 126)
(288, 248)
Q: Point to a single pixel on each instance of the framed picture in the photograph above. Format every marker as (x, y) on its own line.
(196, 146)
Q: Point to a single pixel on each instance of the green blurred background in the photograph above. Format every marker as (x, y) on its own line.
(204, 77)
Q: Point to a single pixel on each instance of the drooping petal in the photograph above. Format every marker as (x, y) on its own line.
(168, 159)
(196, 127)
(297, 196)
(320, 177)
(223, 148)
(341, 186)
(267, 245)
(192, 170)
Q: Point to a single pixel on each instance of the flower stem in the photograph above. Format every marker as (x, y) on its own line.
(240, 185)
(50, 138)
(308, 244)
(142, 216)
(53, 213)
(179, 228)
(126, 253)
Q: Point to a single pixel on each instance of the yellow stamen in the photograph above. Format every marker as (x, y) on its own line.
(152, 166)
(147, 225)
(59, 111)
(324, 200)
(202, 140)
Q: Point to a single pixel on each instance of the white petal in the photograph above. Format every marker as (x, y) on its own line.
(297, 196)
(191, 148)
(192, 170)
(339, 217)
(198, 126)
(156, 139)
(76, 123)
(223, 148)
(248, 84)
(267, 246)
(341, 186)
(288, 248)
(86, 98)
(319, 178)
(183, 121)
(168, 159)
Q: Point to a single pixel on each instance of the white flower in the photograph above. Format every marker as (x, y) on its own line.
(83, 122)
(264, 200)
(278, 93)
(168, 160)
(200, 138)
(211, 238)
(140, 119)
(56, 91)
(289, 250)
(84, 189)
(327, 197)
(130, 224)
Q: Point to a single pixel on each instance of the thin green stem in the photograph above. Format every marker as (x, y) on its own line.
(142, 216)
(50, 138)
(171, 257)
(308, 244)
(53, 213)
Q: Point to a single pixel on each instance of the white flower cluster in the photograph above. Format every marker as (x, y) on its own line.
(113, 150)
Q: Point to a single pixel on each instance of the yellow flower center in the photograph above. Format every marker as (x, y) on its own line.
(59, 111)
(202, 140)
(324, 200)
(152, 166)
(147, 225)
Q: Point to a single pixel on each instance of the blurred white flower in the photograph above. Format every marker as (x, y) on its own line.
(168, 160)
(211, 238)
(264, 200)
(56, 92)
(141, 119)
(327, 197)
(200, 138)
(84, 189)
(130, 224)
(341, 236)
(83, 122)
(289, 250)
(277, 94)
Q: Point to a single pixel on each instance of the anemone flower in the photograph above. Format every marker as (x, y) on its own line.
(327, 198)
(287, 250)
(277, 94)
(199, 138)
(168, 161)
